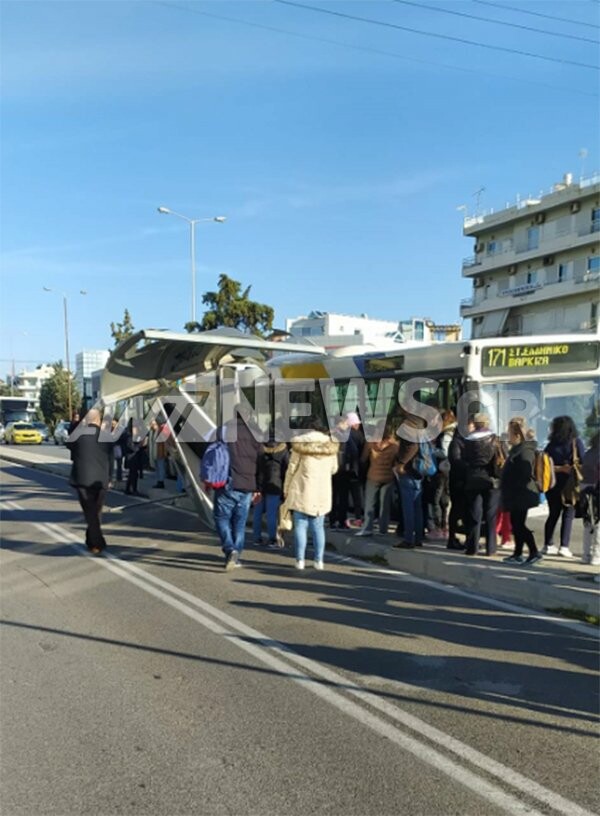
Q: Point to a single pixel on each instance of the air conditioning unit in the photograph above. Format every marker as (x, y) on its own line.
(512, 269)
(539, 218)
(575, 206)
(548, 260)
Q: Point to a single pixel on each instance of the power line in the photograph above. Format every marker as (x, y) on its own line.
(496, 22)
(368, 49)
(535, 13)
(397, 27)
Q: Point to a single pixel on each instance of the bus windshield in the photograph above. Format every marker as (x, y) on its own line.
(540, 402)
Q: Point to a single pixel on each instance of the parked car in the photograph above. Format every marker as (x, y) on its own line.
(43, 429)
(22, 433)
(61, 432)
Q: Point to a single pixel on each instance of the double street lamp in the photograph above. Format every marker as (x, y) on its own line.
(220, 219)
(66, 322)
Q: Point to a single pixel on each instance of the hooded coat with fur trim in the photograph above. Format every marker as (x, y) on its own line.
(313, 461)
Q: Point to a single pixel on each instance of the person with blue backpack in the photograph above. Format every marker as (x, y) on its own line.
(415, 462)
(230, 466)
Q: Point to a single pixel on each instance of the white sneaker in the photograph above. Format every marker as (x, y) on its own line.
(550, 549)
(363, 532)
(565, 552)
(300, 564)
(318, 565)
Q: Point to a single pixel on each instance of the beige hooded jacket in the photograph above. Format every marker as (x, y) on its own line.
(313, 462)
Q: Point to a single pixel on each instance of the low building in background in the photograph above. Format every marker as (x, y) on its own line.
(334, 330)
(536, 265)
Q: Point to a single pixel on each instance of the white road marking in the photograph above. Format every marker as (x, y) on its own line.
(265, 649)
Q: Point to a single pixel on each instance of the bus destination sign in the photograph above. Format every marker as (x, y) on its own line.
(531, 359)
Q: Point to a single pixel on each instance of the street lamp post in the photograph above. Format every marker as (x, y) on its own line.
(220, 219)
(67, 360)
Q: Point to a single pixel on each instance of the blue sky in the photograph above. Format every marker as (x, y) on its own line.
(338, 150)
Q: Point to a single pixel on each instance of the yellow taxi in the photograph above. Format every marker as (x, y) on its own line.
(22, 433)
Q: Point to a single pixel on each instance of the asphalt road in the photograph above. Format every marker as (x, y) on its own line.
(152, 682)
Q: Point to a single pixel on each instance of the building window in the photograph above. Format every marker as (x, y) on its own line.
(532, 277)
(533, 238)
(596, 219)
(305, 332)
(419, 330)
(492, 247)
(562, 273)
(594, 263)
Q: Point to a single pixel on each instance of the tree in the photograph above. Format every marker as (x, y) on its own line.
(121, 331)
(229, 306)
(54, 395)
(5, 389)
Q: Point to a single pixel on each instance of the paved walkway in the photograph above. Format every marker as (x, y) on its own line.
(553, 584)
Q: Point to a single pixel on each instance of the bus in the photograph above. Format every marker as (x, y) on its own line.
(16, 409)
(535, 377)
(186, 378)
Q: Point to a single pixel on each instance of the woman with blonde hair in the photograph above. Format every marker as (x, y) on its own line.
(307, 490)
(519, 490)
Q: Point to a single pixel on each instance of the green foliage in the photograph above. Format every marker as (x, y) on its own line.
(54, 395)
(121, 331)
(5, 390)
(230, 306)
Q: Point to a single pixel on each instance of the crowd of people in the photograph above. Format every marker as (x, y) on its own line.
(473, 483)
(477, 484)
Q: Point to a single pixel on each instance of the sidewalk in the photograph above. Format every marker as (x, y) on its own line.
(552, 584)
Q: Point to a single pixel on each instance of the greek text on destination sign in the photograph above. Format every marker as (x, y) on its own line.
(561, 357)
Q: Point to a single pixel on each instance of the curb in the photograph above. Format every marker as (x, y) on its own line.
(546, 590)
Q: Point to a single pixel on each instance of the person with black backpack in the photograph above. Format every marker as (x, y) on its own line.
(484, 459)
(272, 465)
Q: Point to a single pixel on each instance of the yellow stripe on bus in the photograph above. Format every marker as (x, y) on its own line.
(304, 371)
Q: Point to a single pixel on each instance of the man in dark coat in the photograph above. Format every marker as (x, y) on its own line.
(232, 502)
(90, 475)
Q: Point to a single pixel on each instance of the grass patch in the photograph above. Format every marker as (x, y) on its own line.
(576, 614)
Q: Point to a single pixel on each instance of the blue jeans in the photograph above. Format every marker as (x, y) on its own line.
(269, 504)
(231, 508)
(412, 507)
(161, 468)
(316, 525)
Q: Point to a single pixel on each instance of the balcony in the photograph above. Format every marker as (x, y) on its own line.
(585, 284)
(591, 276)
(525, 289)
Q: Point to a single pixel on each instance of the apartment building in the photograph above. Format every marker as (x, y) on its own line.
(334, 330)
(28, 384)
(536, 265)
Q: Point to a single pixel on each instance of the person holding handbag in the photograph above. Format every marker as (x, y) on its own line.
(307, 490)
(567, 451)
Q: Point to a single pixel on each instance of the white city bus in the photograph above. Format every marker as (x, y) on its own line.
(538, 377)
